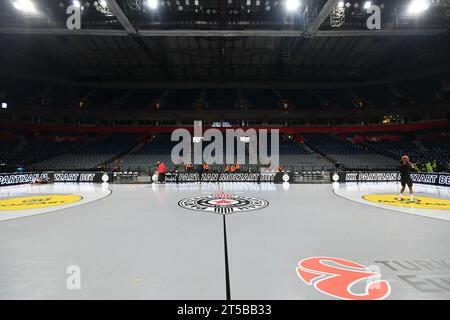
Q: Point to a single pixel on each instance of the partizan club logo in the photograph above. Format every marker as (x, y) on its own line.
(223, 203)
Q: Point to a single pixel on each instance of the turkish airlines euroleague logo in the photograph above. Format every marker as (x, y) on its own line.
(341, 279)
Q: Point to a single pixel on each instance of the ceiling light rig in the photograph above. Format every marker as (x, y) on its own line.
(134, 4)
(102, 7)
(152, 4)
(418, 7)
(292, 5)
(25, 6)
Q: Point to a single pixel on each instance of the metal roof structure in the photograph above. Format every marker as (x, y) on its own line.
(222, 41)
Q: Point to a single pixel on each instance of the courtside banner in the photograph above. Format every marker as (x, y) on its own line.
(182, 177)
(437, 179)
(97, 177)
(9, 179)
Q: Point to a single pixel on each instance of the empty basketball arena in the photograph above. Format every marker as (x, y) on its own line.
(224, 150)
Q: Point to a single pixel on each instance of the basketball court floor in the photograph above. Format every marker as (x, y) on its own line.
(219, 241)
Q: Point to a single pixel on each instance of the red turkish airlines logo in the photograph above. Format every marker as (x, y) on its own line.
(337, 277)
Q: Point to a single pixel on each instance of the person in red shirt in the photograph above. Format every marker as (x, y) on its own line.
(117, 163)
(161, 168)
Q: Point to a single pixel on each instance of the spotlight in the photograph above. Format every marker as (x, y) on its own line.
(340, 4)
(367, 4)
(292, 5)
(152, 4)
(76, 4)
(418, 6)
(4, 105)
(25, 6)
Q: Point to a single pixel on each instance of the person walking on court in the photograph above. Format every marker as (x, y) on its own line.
(405, 177)
(161, 168)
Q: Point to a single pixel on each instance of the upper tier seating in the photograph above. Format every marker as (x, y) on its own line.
(377, 95)
(141, 99)
(28, 92)
(179, 99)
(336, 98)
(222, 99)
(301, 99)
(421, 91)
(263, 99)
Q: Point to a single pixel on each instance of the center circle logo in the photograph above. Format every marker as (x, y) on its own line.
(223, 203)
(419, 202)
(34, 202)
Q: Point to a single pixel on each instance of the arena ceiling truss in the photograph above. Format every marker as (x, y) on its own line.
(221, 40)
